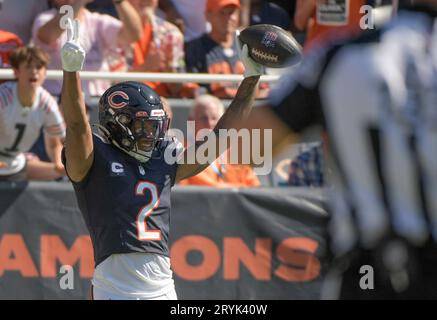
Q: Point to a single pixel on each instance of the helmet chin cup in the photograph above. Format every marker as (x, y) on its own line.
(139, 155)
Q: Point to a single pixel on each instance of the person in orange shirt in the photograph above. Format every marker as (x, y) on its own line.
(324, 19)
(161, 49)
(8, 43)
(216, 52)
(205, 113)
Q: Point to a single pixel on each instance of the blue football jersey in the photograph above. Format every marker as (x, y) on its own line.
(126, 204)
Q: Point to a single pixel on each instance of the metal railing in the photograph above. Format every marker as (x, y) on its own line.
(143, 76)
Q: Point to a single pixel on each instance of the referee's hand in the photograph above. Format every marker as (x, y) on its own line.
(72, 54)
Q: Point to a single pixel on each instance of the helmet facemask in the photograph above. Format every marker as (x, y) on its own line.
(137, 136)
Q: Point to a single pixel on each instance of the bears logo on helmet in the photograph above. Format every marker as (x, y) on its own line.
(120, 104)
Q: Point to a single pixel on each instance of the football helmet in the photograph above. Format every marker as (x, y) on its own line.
(132, 118)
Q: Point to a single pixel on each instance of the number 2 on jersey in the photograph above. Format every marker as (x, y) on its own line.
(146, 211)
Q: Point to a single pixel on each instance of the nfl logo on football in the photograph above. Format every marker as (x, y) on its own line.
(269, 39)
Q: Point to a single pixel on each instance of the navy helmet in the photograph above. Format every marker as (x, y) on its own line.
(132, 118)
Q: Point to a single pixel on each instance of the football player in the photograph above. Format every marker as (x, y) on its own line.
(122, 179)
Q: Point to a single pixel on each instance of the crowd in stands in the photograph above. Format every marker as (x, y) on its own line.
(142, 36)
(174, 36)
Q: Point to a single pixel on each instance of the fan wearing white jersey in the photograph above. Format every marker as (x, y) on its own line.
(25, 109)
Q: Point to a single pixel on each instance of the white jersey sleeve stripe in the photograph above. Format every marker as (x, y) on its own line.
(55, 130)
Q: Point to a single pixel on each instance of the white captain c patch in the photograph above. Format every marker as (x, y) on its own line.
(117, 169)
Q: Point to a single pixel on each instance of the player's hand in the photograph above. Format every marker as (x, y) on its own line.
(251, 68)
(72, 54)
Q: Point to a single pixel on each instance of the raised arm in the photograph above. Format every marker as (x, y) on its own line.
(235, 114)
(132, 29)
(51, 31)
(78, 140)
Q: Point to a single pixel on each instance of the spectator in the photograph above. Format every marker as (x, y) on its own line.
(39, 149)
(216, 52)
(17, 16)
(306, 169)
(25, 108)
(322, 18)
(100, 36)
(185, 15)
(205, 113)
(161, 49)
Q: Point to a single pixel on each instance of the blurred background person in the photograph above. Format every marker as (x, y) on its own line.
(380, 118)
(205, 113)
(160, 49)
(306, 168)
(185, 14)
(216, 52)
(322, 19)
(39, 149)
(101, 35)
(25, 108)
(17, 16)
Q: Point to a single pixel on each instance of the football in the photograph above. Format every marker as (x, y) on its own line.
(271, 46)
